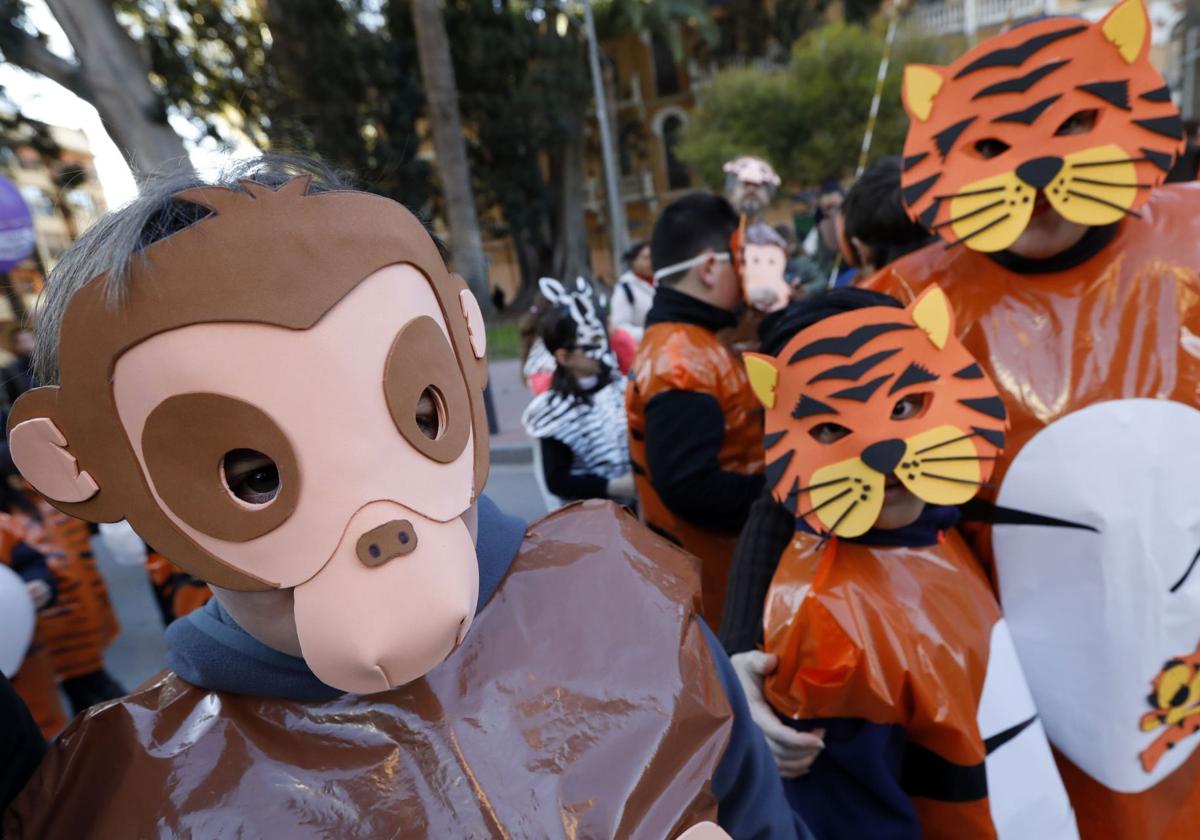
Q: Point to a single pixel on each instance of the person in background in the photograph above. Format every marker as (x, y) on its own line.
(21, 744)
(634, 293)
(17, 376)
(695, 426)
(874, 228)
(579, 422)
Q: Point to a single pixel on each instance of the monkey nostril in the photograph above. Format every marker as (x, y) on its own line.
(373, 551)
(403, 538)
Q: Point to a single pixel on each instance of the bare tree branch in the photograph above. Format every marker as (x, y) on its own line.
(29, 53)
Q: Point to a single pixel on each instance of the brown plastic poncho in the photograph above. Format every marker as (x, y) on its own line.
(584, 703)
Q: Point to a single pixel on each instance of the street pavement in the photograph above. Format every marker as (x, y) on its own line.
(138, 653)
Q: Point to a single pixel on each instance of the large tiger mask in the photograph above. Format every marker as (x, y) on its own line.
(1059, 113)
(869, 397)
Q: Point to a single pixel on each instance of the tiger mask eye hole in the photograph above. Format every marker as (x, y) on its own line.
(250, 476)
(828, 432)
(1081, 122)
(990, 147)
(910, 407)
(431, 413)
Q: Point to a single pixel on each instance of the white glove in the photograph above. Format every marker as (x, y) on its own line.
(622, 487)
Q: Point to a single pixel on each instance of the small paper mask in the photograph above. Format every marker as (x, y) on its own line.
(762, 265)
(1057, 114)
(872, 394)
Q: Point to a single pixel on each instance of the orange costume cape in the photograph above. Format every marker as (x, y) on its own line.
(1098, 363)
(912, 636)
(685, 357)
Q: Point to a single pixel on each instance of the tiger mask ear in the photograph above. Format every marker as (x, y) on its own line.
(931, 312)
(920, 85)
(1127, 27)
(764, 376)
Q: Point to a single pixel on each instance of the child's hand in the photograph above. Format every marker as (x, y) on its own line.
(794, 751)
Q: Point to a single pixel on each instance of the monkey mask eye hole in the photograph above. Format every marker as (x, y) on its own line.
(431, 413)
(250, 476)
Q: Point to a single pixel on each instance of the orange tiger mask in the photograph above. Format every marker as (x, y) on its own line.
(866, 395)
(1059, 113)
(1175, 700)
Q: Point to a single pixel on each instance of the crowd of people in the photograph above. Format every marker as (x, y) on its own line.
(889, 533)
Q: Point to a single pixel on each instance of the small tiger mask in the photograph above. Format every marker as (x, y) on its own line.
(1175, 704)
(866, 398)
(1059, 113)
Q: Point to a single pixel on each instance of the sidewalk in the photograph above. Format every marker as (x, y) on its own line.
(510, 445)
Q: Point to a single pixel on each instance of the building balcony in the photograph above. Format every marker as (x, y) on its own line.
(956, 17)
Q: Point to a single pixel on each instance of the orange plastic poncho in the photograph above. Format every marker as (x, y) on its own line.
(685, 357)
(1118, 330)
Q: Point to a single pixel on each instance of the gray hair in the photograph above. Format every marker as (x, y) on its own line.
(112, 244)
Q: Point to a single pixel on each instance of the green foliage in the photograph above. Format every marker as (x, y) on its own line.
(503, 340)
(807, 120)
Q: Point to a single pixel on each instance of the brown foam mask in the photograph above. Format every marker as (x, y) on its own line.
(298, 335)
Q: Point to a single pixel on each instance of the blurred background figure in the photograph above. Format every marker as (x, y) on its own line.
(750, 184)
(17, 376)
(579, 424)
(874, 228)
(821, 245)
(634, 293)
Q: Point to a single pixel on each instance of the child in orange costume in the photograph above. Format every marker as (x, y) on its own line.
(35, 681)
(888, 636)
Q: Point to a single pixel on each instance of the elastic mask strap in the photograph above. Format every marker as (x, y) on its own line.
(686, 264)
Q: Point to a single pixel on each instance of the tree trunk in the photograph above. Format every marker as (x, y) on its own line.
(113, 75)
(571, 253)
(441, 94)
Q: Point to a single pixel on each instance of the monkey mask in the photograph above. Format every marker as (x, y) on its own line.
(287, 396)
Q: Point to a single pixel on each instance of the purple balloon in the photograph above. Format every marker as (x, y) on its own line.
(16, 226)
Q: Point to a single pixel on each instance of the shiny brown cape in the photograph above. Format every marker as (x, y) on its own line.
(583, 703)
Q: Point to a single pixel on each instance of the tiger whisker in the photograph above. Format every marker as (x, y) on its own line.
(976, 212)
(965, 194)
(978, 231)
(960, 458)
(1108, 162)
(1108, 183)
(842, 518)
(819, 486)
(956, 480)
(944, 443)
(1105, 202)
(825, 503)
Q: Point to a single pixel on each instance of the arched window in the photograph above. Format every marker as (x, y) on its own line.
(666, 74)
(678, 177)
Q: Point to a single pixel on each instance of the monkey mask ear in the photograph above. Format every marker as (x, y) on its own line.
(48, 460)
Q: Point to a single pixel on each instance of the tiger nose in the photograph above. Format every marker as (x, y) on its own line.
(1039, 172)
(884, 456)
(387, 542)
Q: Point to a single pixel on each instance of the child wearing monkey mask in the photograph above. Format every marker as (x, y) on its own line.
(278, 384)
